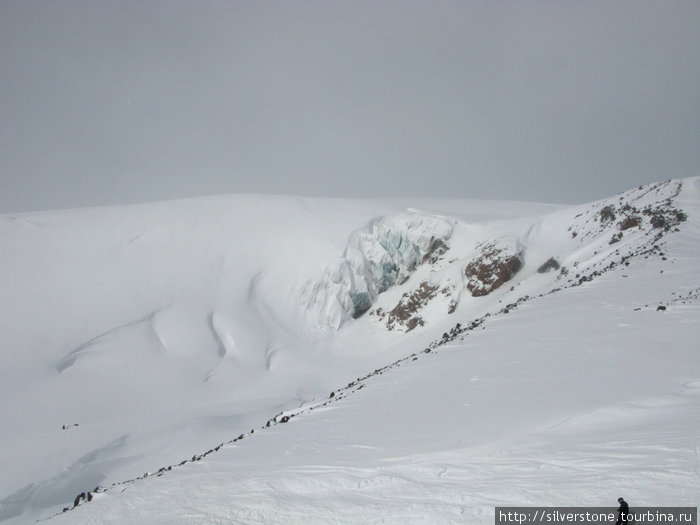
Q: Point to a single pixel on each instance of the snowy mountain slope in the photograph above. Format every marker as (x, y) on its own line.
(158, 329)
(524, 412)
(199, 340)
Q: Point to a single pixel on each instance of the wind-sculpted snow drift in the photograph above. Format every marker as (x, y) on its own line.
(181, 326)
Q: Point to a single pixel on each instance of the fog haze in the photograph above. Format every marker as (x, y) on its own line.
(119, 102)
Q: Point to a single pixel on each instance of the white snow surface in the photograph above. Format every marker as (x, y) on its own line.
(199, 360)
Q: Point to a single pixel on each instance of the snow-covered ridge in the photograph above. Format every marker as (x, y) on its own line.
(391, 249)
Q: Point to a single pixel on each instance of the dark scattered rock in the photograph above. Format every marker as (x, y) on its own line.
(616, 238)
(77, 499)
(665, 217)
(631, 221)
(284, 419)
(550, 264)
(413, 322)
(658, 221)
(607, 214)
(660, 308)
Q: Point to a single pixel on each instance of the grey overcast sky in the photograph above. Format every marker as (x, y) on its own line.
(111, 102)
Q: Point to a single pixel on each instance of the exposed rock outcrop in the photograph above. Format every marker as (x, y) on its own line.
(405, 313)
(496, 264)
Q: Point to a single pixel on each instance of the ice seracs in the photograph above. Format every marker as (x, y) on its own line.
(381, 255)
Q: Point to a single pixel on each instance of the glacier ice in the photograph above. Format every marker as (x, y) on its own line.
(377, 257)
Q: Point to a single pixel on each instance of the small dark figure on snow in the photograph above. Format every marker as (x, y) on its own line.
(622, 512)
